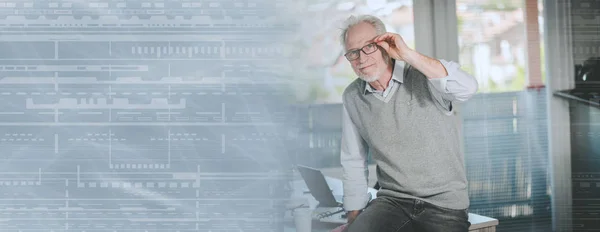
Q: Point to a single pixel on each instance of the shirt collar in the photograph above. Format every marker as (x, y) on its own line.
(397, 75)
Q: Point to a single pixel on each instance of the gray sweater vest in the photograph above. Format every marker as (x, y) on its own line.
(414, 138)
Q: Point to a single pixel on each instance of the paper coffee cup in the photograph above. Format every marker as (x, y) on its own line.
(303, 219)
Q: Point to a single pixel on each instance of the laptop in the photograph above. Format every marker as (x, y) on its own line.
(318, 187)
(330, 209)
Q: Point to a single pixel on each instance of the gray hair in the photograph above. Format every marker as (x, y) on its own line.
(370, 19)
(354, 20)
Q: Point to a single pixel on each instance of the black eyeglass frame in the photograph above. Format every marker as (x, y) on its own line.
(359, 50)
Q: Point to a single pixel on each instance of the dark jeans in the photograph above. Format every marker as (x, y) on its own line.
(385, 214)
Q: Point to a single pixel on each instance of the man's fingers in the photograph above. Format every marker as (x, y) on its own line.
(384, 45)
(382, 37)
(385, 36)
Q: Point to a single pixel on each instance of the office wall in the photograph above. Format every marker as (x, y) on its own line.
(585, 119)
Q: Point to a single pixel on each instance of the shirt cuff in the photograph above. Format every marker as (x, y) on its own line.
(356, 202)
(440, 83)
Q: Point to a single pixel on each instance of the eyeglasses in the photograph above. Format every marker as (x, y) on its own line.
(355, 54)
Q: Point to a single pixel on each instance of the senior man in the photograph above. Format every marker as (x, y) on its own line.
(401, 110)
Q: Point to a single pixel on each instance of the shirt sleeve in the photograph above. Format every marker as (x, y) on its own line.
(353, 158)
(458, 85)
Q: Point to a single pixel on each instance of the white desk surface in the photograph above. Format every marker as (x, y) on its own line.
(477, 221)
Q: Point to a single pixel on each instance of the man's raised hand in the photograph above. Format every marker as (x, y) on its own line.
(393, 44)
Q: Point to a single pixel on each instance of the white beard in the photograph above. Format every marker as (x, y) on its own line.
(370, 78)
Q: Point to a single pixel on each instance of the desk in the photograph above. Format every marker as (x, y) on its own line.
(478, 223)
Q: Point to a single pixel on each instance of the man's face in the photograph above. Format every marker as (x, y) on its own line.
(367, 67)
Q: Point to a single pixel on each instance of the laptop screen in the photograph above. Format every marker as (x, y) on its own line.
(318, 187)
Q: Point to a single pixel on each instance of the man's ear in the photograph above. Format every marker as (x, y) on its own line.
(385, 55)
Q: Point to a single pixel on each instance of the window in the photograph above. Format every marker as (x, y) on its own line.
(493, 44)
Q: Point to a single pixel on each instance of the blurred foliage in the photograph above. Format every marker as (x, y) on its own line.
(502, 5)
